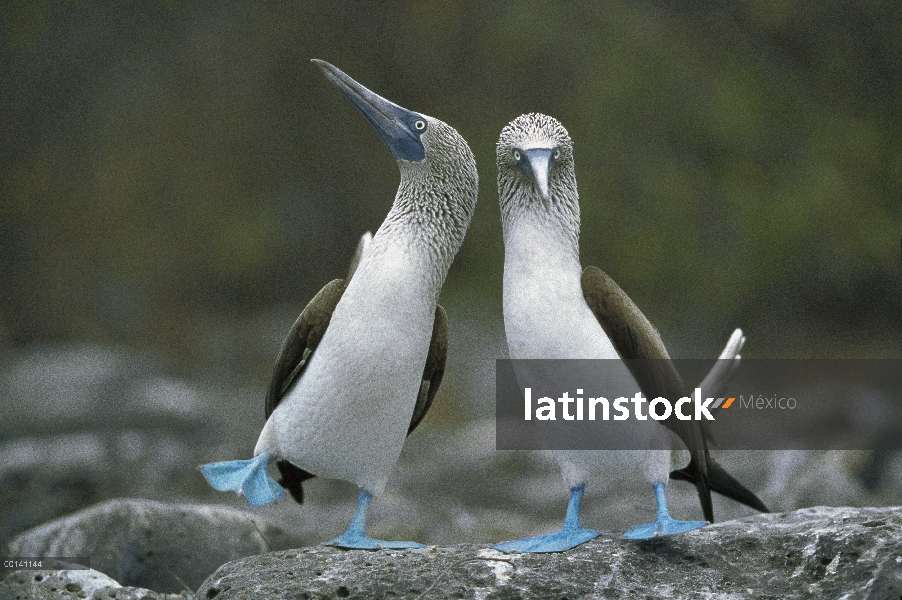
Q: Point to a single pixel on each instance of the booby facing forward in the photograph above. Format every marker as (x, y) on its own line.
(361, 366)
(553, 310)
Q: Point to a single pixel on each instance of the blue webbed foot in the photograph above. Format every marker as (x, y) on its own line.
(356, 541)
(665, 526)
(572, 534)
(355, 537)
(555, 542)
(664, 523)
(248, 478)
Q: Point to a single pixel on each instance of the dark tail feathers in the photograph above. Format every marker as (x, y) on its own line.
(718, 481)
(293, 477)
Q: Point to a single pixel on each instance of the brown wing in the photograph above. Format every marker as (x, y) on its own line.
(434, 370)
(299, 345)
(635, 337)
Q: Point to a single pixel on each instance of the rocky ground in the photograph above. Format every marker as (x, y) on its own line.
(83, 425)
(810, 553)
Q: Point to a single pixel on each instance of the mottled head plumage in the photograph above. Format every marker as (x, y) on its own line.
(533, 130)
(520, 189)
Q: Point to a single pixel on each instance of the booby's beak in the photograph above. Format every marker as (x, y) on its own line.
(538, 167)
(398, 127)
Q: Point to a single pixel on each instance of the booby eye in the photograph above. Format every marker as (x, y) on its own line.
(517, 155)
(557, 153)
(420, 125)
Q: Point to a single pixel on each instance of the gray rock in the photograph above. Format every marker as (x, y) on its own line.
(810, 553)
(45, 477)
(163, 547)
(72, 584)
(85, 424)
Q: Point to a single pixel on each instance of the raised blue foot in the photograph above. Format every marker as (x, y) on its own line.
(664, 524)
(248, 478)
(570, 535)
(355, 537)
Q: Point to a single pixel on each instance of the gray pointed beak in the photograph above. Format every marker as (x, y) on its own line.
(396, 125)
(539, 168)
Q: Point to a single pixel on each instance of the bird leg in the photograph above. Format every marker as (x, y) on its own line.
(664, 523)
(355, 537)
(571, 534)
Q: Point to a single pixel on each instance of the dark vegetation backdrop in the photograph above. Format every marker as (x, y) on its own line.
(167, 165)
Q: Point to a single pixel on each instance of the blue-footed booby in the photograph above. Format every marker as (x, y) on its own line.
(553, 309)
(362, 363)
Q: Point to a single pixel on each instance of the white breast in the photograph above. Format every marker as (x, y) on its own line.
(545, 317)
(348, 416)
(545, 314)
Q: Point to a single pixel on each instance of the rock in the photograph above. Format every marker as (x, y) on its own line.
(810, 553)
(74, 584)
(45, 477)
(163, 547)
(84, 424)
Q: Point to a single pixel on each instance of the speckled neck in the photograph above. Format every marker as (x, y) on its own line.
(435, 200)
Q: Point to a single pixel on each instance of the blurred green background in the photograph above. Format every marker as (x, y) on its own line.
(174, 175)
